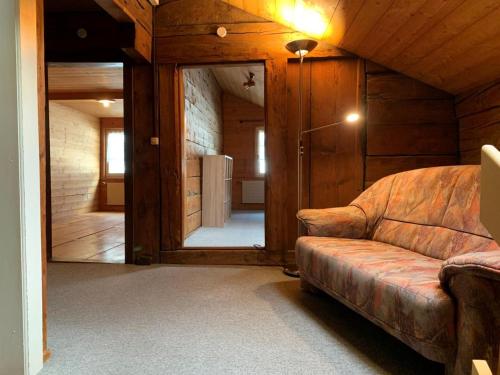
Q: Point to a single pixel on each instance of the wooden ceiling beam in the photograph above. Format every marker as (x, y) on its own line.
(185, 32)
(87, 36)
(138, 13)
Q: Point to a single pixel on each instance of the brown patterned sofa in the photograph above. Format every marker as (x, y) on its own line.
(410, 255)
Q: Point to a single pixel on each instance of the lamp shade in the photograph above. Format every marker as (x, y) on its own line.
(301, 47)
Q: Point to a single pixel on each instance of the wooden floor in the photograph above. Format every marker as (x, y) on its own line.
(97, 237)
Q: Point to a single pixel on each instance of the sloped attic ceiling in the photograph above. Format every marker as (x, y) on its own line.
(453, 45)
(231, 78)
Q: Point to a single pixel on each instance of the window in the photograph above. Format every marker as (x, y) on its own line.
(115, 155)
(261, 151)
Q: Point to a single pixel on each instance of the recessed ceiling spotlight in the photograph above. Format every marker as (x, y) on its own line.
(106, 102)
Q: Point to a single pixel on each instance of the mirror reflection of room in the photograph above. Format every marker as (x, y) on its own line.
(224, 156)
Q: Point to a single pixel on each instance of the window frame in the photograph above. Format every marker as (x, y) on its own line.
(105, 175)
(259, 129)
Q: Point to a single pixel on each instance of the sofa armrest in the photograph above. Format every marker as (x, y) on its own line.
(347, 222)
(484, 264)
(473, 280)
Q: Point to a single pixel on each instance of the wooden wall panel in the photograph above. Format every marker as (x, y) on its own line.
(381, 166)
(185, 32)
(336, 161)
(171, 151)
(333, 158)
(74, 161)
(276, 156)
(142, 197)
(241, 119)
(479, 121)
(203, 136)
(409, 124)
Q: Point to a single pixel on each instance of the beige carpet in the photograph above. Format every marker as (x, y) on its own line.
(242, 229)
(120, 319)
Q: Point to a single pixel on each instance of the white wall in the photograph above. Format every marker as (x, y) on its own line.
(21, 348)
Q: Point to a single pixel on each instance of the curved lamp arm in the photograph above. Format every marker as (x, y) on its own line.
(321, 127)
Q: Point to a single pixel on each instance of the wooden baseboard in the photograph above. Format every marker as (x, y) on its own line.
(46, 355)
(235, 257)
(112, 208)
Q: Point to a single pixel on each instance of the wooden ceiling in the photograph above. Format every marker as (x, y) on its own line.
(93, 108)
(453, 45)
(85, 78)
(231, 79)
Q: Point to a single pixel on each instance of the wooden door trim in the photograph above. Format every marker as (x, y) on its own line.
(275, 180)
(224, 256)
(179, 95)
(45, 212)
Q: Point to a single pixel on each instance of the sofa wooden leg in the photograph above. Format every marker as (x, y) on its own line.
(306, 286)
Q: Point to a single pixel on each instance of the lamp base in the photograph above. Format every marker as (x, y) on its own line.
(291, 270)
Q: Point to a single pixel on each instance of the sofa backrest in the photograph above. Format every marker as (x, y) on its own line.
(433, 211)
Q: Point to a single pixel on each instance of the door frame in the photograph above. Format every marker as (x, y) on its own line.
(276, 229)
(128, 166)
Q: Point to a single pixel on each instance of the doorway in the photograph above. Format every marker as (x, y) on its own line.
(86, 162)
(224, 156)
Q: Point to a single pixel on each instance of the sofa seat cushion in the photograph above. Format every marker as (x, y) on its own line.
(395, 288)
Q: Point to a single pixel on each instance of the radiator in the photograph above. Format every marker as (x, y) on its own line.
(115, 194)
(252, 191)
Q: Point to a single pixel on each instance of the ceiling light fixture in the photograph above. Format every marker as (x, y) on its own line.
(106, 102)
(250, 83)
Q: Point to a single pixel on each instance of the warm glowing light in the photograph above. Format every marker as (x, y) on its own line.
(352, 117)
(106, 102)
(302, 52)
(305, 19)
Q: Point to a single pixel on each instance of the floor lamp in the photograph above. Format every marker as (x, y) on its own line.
(301, 48)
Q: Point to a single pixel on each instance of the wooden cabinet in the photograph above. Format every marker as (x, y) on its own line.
(217, 190)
